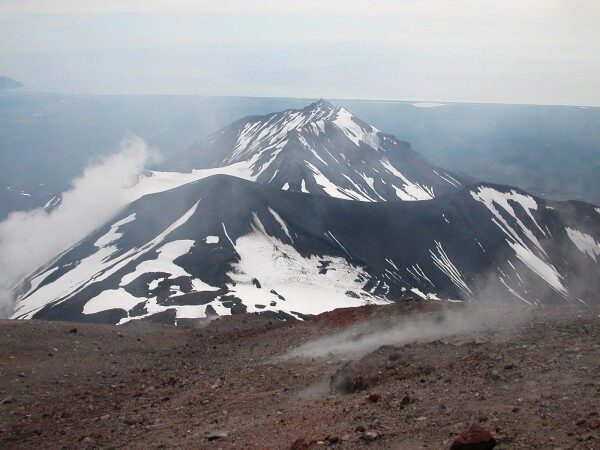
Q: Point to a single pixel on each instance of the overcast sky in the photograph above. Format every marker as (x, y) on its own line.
(511, 51)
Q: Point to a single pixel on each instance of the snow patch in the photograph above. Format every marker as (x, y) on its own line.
(94, 268)
(112, 234)
(299, 280)
(545, 270)
(492, 198)
(163, 181)
(584, 242)
(330, 188)
(423, 295)
(37, 280)
(410, 191)
(443, 262)
(154, 283)
(281, 223)
(111, 299)
(344, 120)
(254, 136)
(330, 234)
(163, 262)
(303, 187)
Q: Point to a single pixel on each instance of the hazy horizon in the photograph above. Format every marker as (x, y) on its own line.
(533, 52)
(420, 103)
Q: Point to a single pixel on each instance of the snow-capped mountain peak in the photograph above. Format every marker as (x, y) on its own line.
(259, 134)
(320, 149)
(356, 130)
(187, 247)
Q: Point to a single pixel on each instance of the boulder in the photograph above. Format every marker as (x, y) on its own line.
(475, 438)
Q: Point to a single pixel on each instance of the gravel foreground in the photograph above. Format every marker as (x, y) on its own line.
(248, 381)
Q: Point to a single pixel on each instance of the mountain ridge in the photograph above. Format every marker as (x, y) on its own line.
(323, 150)
(307, 210)
(235, 246)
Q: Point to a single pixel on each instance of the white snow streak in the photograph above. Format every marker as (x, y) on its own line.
(492, 199)
(330, 234)
(112, 234)
(545, 270)
(444, 263)
(410, 191)
(584, 242)
(330, 188)
(281, 223)
(353, 131)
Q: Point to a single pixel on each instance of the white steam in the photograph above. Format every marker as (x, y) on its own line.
(30, 239)
(364, 338)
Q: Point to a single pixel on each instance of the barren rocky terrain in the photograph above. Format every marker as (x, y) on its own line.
(248, 381)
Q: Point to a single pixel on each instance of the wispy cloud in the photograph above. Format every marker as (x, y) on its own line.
(30, 239)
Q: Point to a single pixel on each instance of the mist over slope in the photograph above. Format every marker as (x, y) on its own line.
(551, 151)
(547, 150)
(222, 245)
(296, 213)
(530, 381)
(30, 239)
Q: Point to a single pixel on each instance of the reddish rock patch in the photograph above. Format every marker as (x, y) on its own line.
(475, 438)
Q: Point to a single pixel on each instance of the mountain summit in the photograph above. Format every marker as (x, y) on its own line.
(320, 149)
(201, 243)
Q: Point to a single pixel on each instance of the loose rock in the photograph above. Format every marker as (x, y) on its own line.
(370, 436)
(217, 435)
(475, 438)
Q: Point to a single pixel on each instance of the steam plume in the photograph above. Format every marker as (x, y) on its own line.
(30, 239)
(362, 339)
